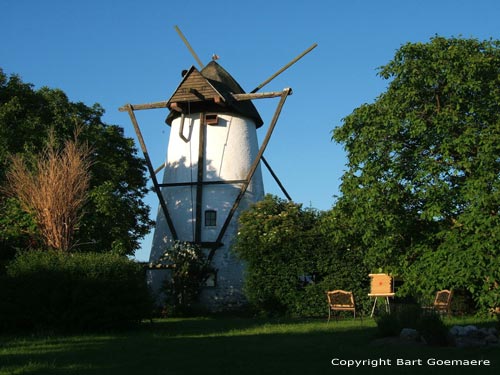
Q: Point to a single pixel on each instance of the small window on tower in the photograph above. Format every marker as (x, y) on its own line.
(212, 119)
(210, 218)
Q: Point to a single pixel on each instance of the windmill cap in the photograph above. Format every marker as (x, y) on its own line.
(222, 85)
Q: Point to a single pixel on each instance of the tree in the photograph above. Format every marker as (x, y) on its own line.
(423, 175)
(293, 255)
(274, 243)
(115, 218)
(54, 192)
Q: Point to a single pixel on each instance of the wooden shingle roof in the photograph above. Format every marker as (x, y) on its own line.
(209, 90)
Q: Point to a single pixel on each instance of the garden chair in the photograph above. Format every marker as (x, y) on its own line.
(340, 300)
(442, 302)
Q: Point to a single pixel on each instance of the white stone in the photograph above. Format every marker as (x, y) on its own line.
(493, 331)
(470, 328)
(457, 331)
(409, 334)
(491, 339)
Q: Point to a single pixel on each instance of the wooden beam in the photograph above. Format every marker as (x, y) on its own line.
(189, 46)
(206, 182)
(157, 266)
(284, 68)
(209, 245)
(152, 172)
(253, 168)
(199, 179)
(159, 169)
(137, 107)
(276, 178)
(196, 93)
(175, 107)
(263, 95)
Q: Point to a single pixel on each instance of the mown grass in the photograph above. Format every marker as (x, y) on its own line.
(228, 346)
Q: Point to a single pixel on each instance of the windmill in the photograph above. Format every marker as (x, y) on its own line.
(212, 170)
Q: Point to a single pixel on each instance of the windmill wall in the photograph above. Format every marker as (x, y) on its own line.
(229, 148)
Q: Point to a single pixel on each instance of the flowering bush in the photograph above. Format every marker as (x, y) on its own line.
(189, 271)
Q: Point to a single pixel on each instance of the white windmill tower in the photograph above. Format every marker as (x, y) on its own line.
(212, 170)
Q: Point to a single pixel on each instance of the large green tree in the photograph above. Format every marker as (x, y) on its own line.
(423, 178)
(115, 216)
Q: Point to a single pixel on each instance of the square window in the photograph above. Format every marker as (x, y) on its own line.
(212, 119)
(210, 218)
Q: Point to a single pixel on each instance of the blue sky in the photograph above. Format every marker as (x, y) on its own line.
(116, 52)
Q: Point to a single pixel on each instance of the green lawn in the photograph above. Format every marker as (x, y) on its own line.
(230, 346)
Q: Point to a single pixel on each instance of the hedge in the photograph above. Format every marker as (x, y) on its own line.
(45, 290)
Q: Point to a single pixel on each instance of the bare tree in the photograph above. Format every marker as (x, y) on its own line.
(54, 189)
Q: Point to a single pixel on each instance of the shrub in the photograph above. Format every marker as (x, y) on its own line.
(189, 270)
(429, 325)
(72, 292)
(432, 329)
(55, 191)
(401, 316)
(293, 256)
(388, 325)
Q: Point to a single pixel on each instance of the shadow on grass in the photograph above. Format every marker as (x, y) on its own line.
(227, 346)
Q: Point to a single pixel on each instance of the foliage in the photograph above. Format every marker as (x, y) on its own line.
(18, 229)
(273, 242)
(340, 258)
(432, 329)
(115, 218)
(430, 326)
(54, 192)
(401, 316)
(48, 290)
(189, 270)
(423, 178)
(292, 259)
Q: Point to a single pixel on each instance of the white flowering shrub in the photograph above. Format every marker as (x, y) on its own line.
(189, 271)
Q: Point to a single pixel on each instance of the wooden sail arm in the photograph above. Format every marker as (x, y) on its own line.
(284, 68)
(261, 95)
(152, 173)
(137, 107)
(253, 168)
(237, 97)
